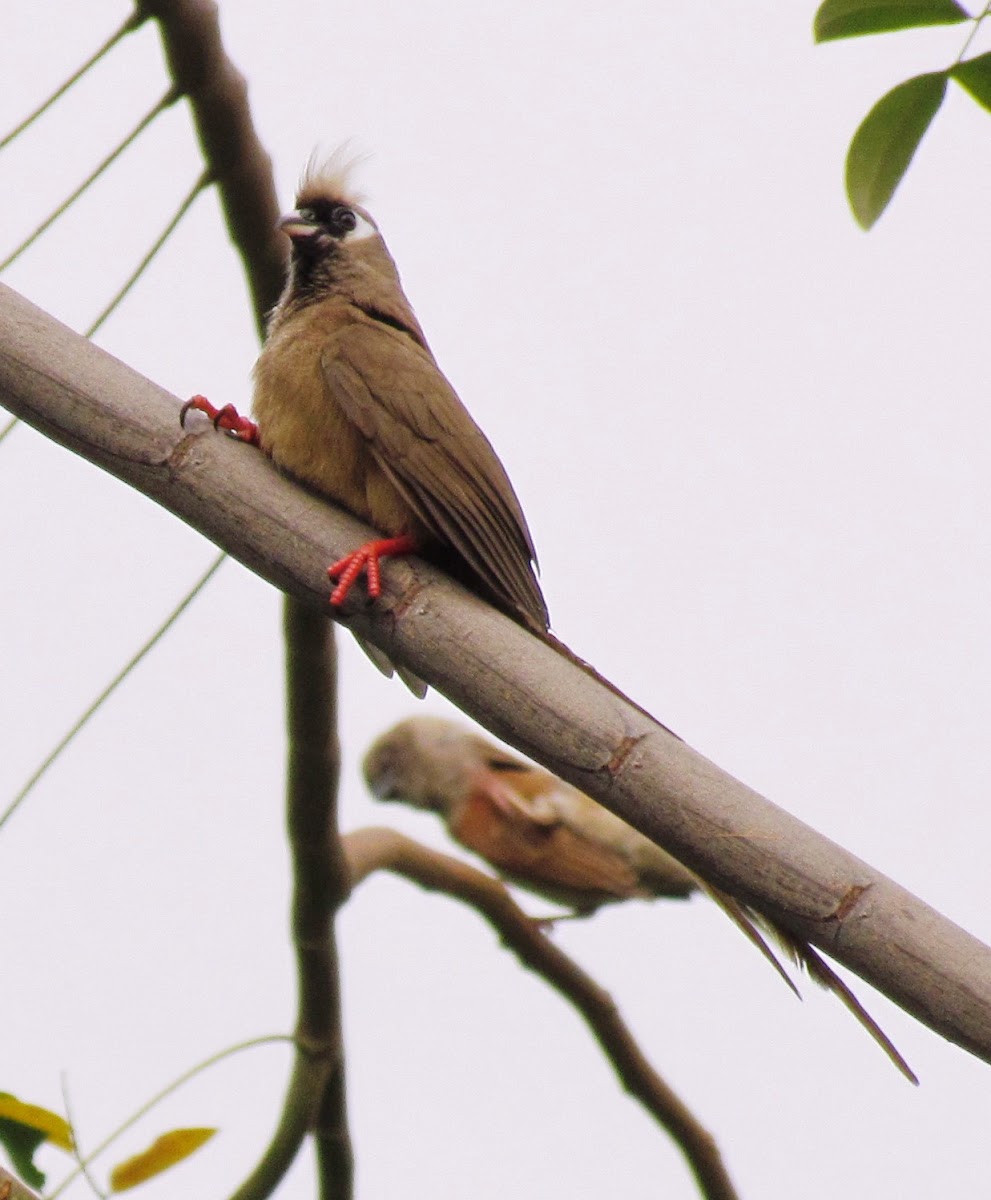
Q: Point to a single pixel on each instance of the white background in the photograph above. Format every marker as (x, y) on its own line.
(751, 442)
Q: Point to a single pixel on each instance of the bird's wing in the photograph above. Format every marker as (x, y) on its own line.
(535, 850)
(436, 456)
(524, 792)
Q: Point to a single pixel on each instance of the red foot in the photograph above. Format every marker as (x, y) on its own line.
(366, 559)
(226, 418)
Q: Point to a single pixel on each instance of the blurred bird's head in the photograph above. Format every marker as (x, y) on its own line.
(425, 762)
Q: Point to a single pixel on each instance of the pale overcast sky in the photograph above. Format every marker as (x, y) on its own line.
(624, 231)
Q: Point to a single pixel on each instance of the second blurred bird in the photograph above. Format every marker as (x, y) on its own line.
(545, 835)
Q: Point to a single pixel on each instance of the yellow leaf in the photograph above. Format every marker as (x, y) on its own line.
(55, 1128)
(164, 1152)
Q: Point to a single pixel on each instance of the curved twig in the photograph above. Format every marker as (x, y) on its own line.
(383, 849)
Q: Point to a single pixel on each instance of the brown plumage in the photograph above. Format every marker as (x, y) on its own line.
(534, 828)
(547, 836)
(349, 399)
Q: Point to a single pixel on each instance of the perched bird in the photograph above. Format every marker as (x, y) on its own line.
(349, 399)
(541, 833)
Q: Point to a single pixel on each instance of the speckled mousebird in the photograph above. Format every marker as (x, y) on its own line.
(545, 835)
(349, 399)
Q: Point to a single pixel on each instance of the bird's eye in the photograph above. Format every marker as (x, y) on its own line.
(343, 220)
(504, 764)
(308, 215)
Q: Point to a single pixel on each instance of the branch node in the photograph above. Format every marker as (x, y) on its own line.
(849, 900)
(622, 752)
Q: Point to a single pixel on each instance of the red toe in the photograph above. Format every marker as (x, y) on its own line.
(366, 560)
(226, 418)
(230, 420)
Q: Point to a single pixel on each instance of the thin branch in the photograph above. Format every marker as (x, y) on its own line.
(139, 270)
(381, 849)
(169, 98)
(509, 681)
(129, 26)
(184, 206)
(180, 1081)
(82, 1163)
(111, 687)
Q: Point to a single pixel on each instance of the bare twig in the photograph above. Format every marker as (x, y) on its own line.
(82, 1162)
(128, 26)
(148, 257)
(512, 683)
(168, 99)
(168, 1090)
(111, 687)
(384, 849)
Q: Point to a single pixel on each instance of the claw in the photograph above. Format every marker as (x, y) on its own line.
(226, 418)
(366, 560)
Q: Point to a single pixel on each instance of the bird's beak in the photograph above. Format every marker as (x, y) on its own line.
(386, 786)
(297, 227)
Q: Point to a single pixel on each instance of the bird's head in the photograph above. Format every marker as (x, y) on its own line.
(328, 218)
(425, 762)
(337, 249)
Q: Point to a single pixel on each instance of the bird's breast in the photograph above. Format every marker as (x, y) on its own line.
(304, 429)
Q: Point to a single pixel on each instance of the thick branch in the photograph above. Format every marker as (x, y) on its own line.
(315, 1097)
(382, 849)
(11, 1188)
(321, 877)
(509, 681)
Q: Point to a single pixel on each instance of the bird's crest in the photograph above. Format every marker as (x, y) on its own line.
(327, 177)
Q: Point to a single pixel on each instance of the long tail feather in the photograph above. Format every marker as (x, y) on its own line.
(824, 975)
(743, 920)
(803, 955)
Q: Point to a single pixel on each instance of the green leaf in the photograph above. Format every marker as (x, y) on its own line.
(164, 1152)
(851, 18)
(886, 141)
(20, 1142)
(975, 76)
(23, 1128)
